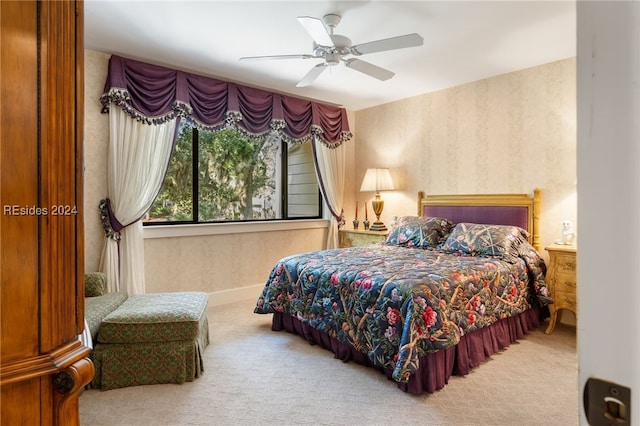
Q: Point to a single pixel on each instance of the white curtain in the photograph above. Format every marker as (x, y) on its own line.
(330, 163)
(138, 157)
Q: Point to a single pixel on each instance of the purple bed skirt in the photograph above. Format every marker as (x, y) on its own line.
(435, 368)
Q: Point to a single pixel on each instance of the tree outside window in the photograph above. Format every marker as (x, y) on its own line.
(237, 178)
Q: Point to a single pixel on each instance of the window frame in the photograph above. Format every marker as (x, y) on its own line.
(195, 191)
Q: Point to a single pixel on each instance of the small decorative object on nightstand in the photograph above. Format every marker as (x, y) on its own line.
(355, 219)
(356, 237)
(561, 280)
(366, 222)
(568, 234)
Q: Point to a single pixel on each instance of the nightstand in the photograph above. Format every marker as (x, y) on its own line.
(360, 237)
(562, 282)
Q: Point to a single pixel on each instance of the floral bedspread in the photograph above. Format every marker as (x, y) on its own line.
(396, 304)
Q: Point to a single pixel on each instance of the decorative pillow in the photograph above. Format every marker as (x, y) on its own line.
(401, 220)
(475, 239)
(95, 284)
(417, 231)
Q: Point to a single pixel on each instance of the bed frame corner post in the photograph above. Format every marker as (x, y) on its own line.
(420, 197)
(536, 218)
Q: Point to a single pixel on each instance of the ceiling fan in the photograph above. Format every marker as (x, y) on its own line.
(335, 48)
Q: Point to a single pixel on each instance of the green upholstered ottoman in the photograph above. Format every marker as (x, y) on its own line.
(150, 339)
(98, 307)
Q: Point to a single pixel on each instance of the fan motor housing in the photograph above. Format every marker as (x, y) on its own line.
(341, 46)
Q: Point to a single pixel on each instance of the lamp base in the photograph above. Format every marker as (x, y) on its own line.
(378, 226)
(377, 205)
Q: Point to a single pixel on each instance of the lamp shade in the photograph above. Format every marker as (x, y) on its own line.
(377, 180)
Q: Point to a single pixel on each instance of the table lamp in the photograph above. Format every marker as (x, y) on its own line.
(377, 180)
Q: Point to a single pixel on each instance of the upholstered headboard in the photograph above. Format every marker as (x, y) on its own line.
(520, 210)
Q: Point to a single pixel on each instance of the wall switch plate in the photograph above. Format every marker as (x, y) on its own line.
(606, 403)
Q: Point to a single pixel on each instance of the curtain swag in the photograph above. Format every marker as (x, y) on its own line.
(154, 94)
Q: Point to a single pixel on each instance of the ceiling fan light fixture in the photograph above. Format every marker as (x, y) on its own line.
(332, 59)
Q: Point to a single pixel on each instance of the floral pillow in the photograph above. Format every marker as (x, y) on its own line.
(475, 239)
(417, 231)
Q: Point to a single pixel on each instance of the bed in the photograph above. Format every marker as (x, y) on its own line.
(449, 287)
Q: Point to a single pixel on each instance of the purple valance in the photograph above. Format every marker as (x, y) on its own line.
(155, 94)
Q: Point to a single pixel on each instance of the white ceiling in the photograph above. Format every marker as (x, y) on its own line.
(464, 41)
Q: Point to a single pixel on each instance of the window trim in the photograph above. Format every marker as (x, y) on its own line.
(225, 228)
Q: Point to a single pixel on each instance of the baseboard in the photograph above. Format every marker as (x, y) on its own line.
(223, 297)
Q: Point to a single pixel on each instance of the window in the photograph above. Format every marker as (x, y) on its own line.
(225, 176)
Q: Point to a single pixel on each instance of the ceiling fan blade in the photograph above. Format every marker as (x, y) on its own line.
(369, 69)
(312, 75)
(301, 56)
(316, 29)
(400, 42)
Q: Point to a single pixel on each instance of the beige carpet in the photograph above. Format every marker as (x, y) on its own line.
(254, 376)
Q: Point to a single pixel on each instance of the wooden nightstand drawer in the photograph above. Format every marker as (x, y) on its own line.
(357, 237)
(565, 281)
(566, 263)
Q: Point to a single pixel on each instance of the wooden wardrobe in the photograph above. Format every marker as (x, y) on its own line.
(43, 365)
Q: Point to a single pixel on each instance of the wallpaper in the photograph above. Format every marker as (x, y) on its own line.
(506, 134)
(96, 139)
